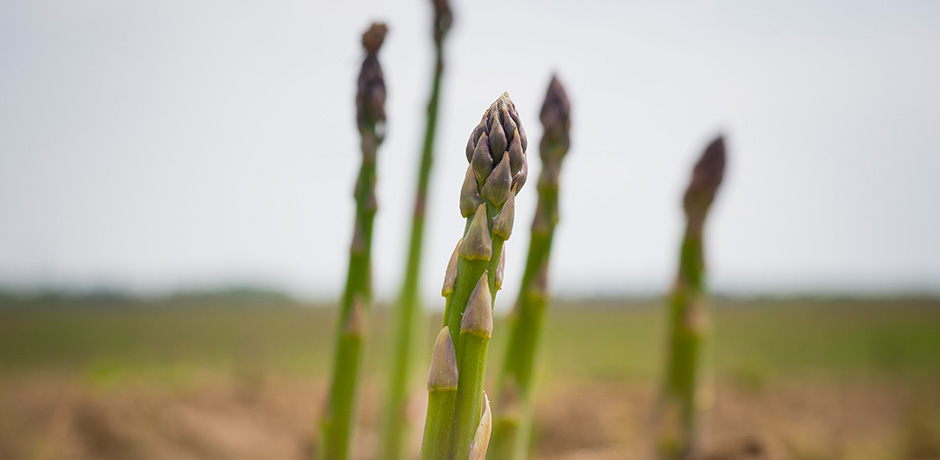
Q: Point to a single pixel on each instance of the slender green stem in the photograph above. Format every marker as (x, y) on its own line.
(337, 422)
(442, 394)
(339, 415)
(468, 272)
(512, 424)
(440, 422)
(476, 327)
(471, 345)
(677, 424)
(688, 322)
(513, 417)
(408, 312)
(469, 404)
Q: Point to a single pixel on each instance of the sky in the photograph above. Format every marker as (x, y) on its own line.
(156, 146)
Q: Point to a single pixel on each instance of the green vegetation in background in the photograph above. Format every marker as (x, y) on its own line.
(586, 340)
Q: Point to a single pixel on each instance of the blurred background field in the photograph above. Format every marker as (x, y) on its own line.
(240, 376)
(151, 148)
(599, 339)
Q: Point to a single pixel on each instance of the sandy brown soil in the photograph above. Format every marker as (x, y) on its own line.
(46, 418)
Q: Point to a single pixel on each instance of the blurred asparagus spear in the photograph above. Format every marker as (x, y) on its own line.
(677, 422)
(512, 423)
(408, 310)
(497, 171)
(338, 418)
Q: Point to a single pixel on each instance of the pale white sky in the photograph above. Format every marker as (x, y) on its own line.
(158, 145)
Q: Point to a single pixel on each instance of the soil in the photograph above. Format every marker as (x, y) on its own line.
(50, 417)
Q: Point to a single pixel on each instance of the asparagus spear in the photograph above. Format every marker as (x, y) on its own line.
(688, 318)
(513, 401)
(338, 417)
(497, 171)
(442, 392)
(408, 311)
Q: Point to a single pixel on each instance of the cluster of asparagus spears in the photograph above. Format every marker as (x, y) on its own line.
(459, 421)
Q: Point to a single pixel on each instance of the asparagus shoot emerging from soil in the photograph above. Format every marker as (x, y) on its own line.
(497, 171)
(338, 418)
(513, 400)
(408, 310)
(688, 319)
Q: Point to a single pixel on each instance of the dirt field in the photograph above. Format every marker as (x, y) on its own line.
(50, 418)
(797, 379)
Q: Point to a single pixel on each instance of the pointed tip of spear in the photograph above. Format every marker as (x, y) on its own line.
(713, 159)
(478, 317)
(443, 19)
(502, 222)
(481, 439)
(706, 177)
(374, 37)
(370, 95)
(499, 183)
(556, 109)
(500, 269)
(498, 132)
(477, 244)
(556, 137)
(450, 276)
(443, 372)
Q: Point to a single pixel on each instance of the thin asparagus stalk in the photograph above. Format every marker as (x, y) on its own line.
(688, 318)
(476, 328)
(338, 418)
(497, 171)
(442, 393)
(397, 423)
(513, 401)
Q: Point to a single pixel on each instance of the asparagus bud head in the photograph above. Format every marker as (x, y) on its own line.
(370, 97)
(706, 177)
(496, 153)
(556, 119)
(443, 19)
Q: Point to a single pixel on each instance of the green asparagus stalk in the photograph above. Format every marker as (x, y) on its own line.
(476, 328)
(442, 393)
(338, 418)
(680, 399)
(513, 401)
(397, 423)
(497, 171)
